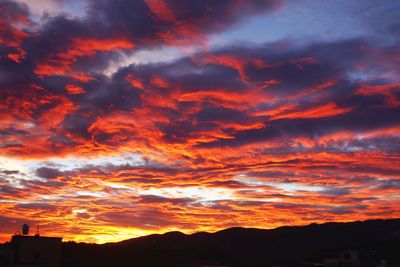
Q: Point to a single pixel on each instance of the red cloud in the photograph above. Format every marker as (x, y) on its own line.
(61, 64)
(11, 32)
(161, 10)
(236, 63)
(327, 110)
(388, 90)
(74, 89)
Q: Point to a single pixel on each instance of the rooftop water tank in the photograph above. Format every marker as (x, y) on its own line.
(25, 229)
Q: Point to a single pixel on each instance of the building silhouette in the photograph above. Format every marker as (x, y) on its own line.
(33, 251)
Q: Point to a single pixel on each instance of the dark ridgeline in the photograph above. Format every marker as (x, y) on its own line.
(327, 245)
(294, 246)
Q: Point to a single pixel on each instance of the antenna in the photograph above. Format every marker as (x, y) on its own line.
(37, 230)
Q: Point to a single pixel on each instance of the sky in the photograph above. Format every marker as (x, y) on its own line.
(125, 118)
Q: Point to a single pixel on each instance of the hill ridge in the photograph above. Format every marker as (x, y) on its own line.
(239, 246)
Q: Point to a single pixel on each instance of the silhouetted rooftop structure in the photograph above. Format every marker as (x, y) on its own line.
(32, 251)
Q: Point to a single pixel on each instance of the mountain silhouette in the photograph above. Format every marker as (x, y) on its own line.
(242, 246)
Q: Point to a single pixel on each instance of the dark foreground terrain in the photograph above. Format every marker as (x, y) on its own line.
(243, 247)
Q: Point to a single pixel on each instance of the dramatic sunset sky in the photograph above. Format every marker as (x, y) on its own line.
(121, 118)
